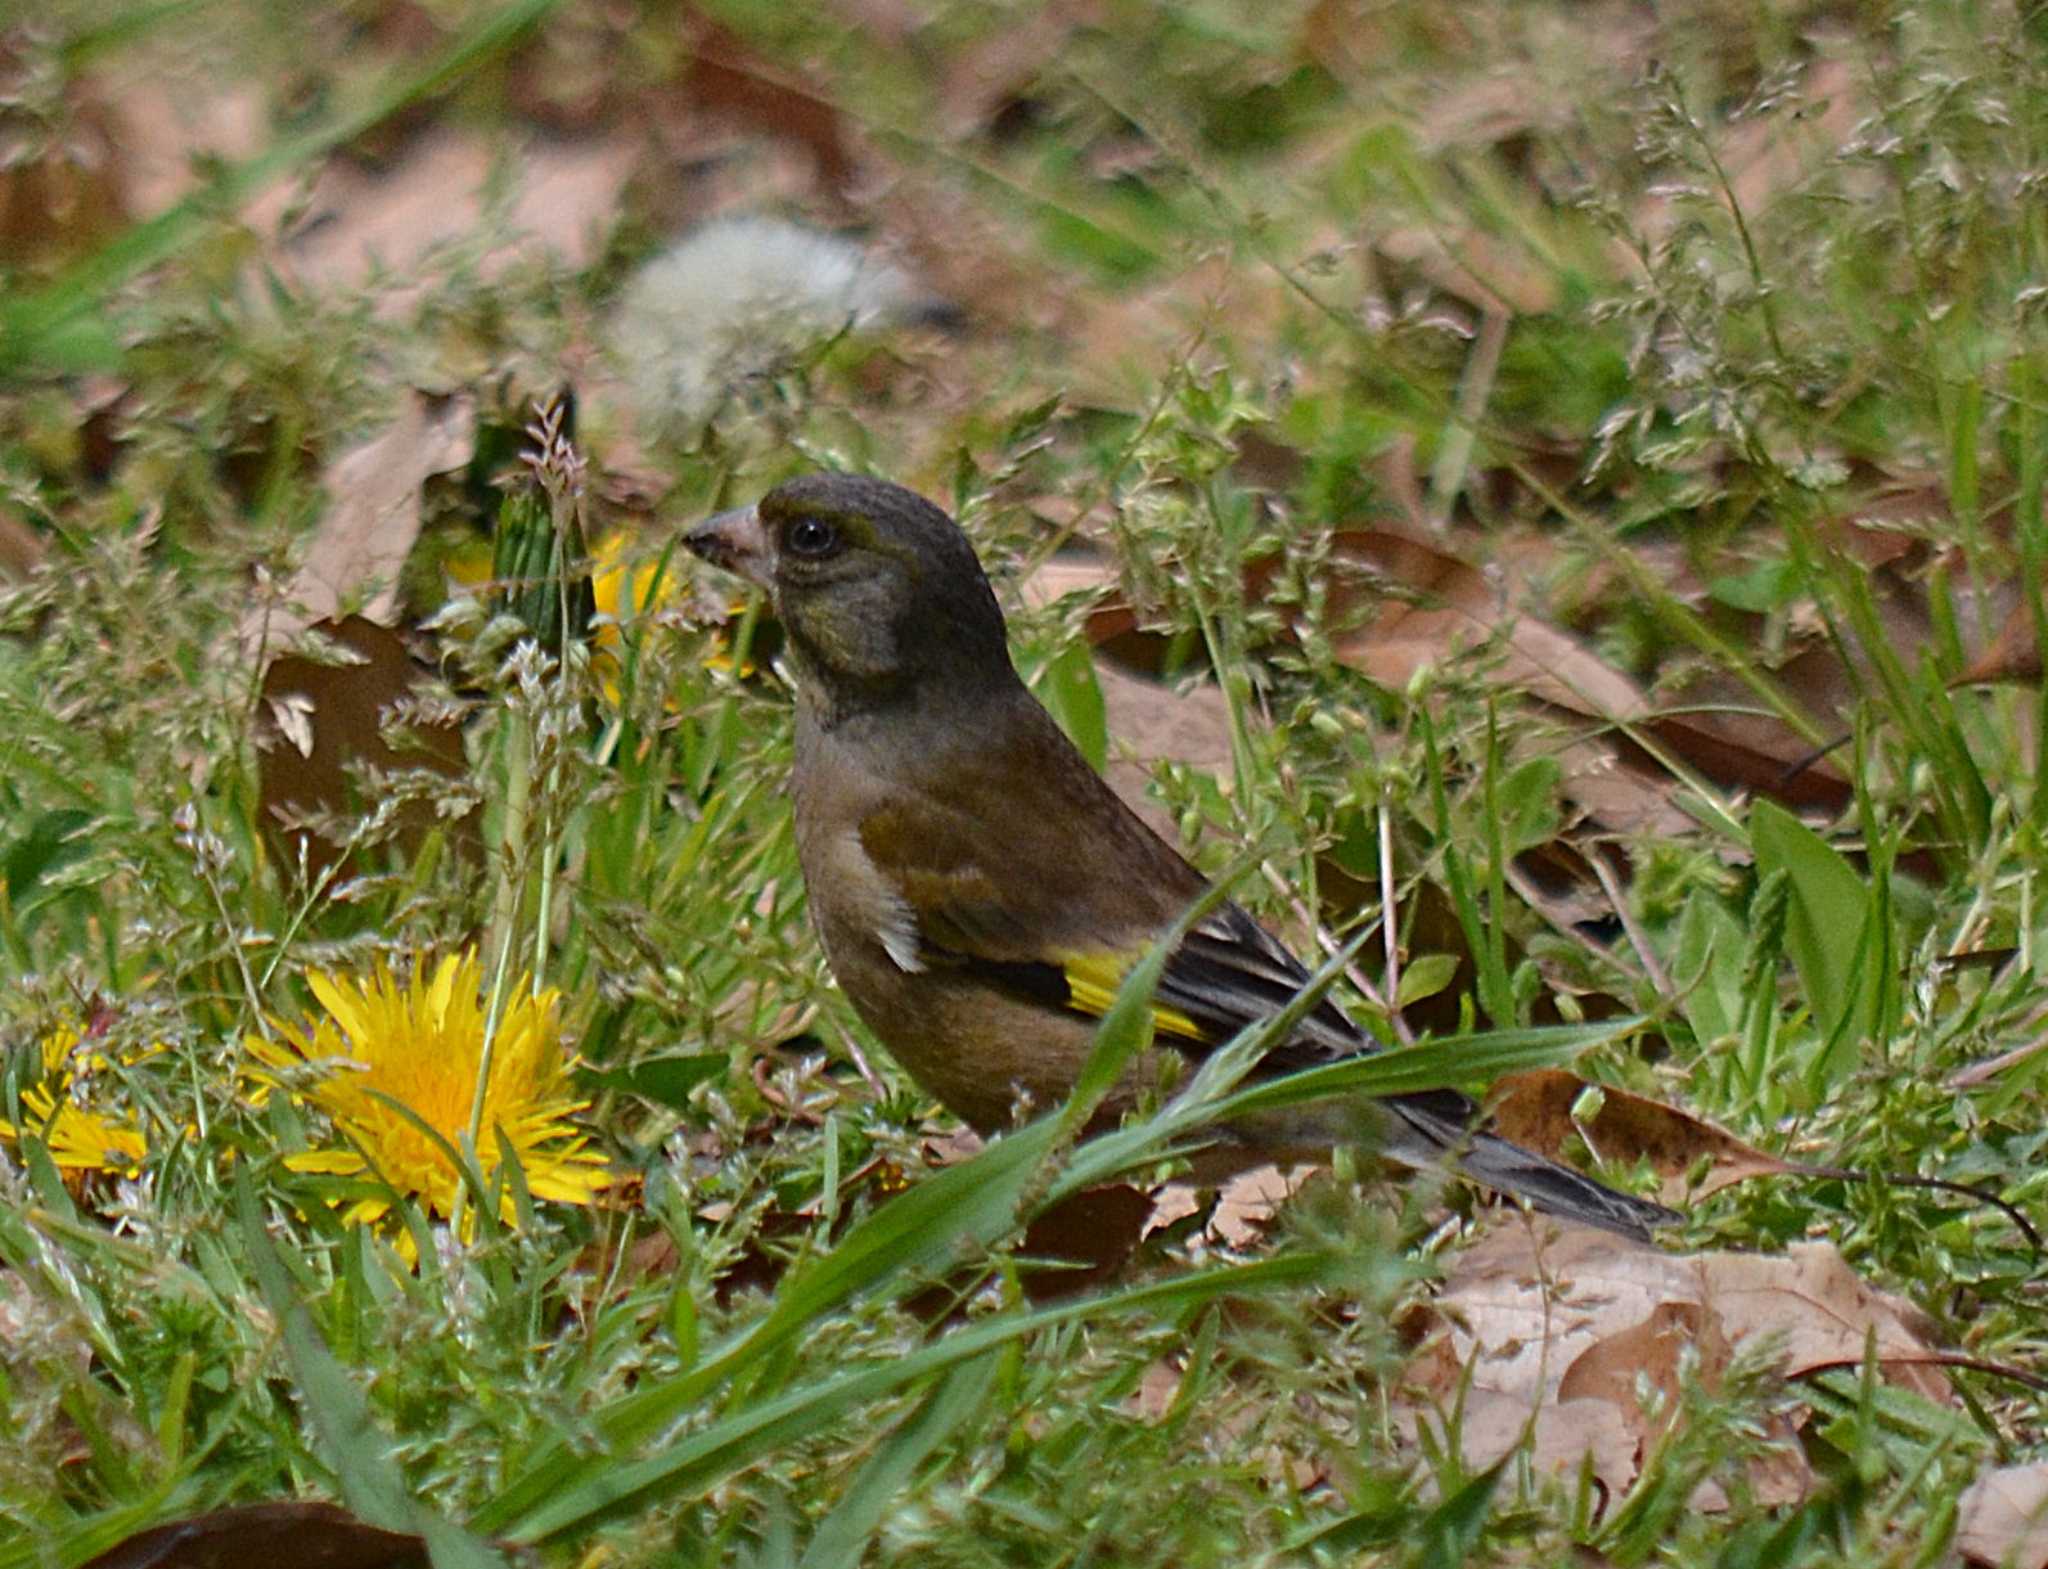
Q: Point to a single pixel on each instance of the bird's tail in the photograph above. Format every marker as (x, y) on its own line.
(1444, 1136)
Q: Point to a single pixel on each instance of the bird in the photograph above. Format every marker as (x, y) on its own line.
(980, 892)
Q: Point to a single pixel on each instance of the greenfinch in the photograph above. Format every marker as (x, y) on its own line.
(981, 893)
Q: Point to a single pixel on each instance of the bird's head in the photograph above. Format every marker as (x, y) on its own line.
(876, 587)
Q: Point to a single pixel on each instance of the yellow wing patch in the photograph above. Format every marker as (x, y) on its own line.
(1092, 983)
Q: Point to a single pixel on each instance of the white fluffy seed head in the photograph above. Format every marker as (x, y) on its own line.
(738, 299)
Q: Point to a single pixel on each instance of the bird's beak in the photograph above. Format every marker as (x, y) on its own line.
(736, 541)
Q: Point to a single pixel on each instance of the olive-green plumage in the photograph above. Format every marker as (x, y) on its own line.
(977, 887)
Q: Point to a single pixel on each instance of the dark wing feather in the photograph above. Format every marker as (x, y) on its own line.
(1231, 972)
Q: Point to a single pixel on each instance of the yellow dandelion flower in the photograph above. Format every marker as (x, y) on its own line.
(63, 1110)
(421, 1044)
(622, 588)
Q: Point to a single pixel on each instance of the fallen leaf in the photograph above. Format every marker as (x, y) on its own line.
(951, 1148)
(360, 220)
(21, 547)
(1150, 723)
(1001, 69)
(1247, 1203)
(313, 1535)
(2014, 654)
(372, 520)
(1749, 751)
(726, 78)
(59, 195)
(1822, 1309)
(1157, 1386)
(323, 722)
(169, 129)
(2003, 1518)
(1769, 156)
(1535, 1110)
(1084, 1241)
(1556, 1328)
(1172, 1202)
(1415, 605)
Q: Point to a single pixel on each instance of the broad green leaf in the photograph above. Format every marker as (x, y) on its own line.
(667, 1081)
(1425, 976)
(1706, 967)
(1070, 692)
(1454, 1527)
(1827, 931)
(1528, 803)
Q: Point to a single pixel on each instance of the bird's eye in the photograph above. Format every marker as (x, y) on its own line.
(812, 537)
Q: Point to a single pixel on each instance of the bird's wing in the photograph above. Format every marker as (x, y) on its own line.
(1066, 936)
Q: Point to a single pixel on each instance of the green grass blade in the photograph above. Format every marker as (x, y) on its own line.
(844, 1533)
(371, 1483)
(1432, 1065)
(964, 1206)
(596, 1485)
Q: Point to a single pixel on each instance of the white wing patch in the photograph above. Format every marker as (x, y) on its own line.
(876, 904)
(898, 931)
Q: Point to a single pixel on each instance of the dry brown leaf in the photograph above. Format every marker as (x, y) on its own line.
(21, 547)
(1129, 331)
(1615, 791)
(373, 518)
(1606, 778)
(1534, 1110)
(1150, 723)
(320, 719)
(1247, 1203)
(1822, 1309)
(988, 76)
(254, 1536)
(1557, 1326)
(1769, 156)
(1070, 572)
(1172, 1202)
(60, 194)
(1751, 751)
(1153, 1397)
(2003, 1518)
(2014, 654)
(952, 1147)
(169, 128)
(359, 219)
(1422, 606)
(726, 78)
(1085, 1239)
